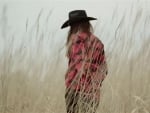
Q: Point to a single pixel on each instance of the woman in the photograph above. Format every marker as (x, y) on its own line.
(87, 65)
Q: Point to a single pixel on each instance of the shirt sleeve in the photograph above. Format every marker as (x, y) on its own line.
(96, 60)
(101, 59)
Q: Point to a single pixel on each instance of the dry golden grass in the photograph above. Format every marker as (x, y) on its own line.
(32, 67)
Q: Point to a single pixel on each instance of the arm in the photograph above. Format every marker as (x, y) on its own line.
(96, 62)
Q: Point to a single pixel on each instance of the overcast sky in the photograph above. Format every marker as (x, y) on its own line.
(19, 11)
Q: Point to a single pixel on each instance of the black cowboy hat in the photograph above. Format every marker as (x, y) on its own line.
(76, 16)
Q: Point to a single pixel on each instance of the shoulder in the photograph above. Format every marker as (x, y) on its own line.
(97, 41)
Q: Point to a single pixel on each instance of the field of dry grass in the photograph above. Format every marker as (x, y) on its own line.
(32, 67)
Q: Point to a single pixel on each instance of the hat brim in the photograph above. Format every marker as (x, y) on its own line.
(70, 22)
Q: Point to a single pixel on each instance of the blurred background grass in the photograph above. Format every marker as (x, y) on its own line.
(32, 65)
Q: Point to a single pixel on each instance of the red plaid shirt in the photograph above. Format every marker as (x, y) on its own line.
(87, 66)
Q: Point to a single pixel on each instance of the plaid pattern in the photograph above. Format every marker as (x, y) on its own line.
(87, 66)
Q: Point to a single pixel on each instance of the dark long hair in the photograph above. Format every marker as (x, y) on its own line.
(74, 28)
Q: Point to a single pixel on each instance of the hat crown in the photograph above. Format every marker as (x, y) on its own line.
(77, 14)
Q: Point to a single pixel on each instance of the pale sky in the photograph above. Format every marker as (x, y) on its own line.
(21, 10)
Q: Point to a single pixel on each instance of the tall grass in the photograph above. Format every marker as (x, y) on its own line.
(32, 67)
